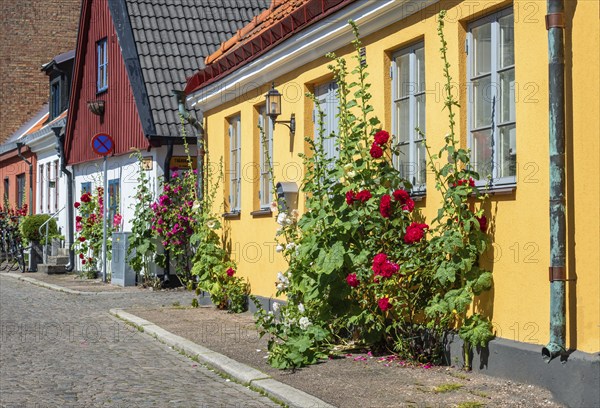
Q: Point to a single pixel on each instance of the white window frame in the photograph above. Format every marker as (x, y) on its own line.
(235, 162)
(413, 93)
(266, 124)
(102, 65)
(495, 94)
(326, 94)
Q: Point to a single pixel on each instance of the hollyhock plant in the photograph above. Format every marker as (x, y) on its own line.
(482, 223)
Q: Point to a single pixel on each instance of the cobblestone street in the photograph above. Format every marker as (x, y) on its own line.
(63, 350)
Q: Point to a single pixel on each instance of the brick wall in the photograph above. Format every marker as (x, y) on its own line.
(32, 32)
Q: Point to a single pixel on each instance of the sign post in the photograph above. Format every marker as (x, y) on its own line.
(104, 145)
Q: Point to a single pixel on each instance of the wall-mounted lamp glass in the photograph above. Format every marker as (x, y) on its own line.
(273, 102)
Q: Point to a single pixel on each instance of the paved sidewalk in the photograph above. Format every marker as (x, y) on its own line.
(231, 344)
(62, 350)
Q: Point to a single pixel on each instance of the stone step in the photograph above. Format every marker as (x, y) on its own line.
(51, 269)
(63, 252)
(58, 260)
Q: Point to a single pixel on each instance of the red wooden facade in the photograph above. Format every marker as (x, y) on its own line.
(120, 119)
(11, 168)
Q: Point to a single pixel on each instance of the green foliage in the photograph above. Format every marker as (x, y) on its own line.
(31, 224)
(142, 248)
(363, 266)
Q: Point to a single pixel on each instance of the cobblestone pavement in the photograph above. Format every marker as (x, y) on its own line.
(63, 350)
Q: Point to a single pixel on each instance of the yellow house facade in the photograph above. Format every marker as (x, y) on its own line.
(498, 51)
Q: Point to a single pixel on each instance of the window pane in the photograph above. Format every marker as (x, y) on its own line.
(404, 161)
(482, 38)
(404, 85)
(421, 160)
(507, 152)
(507, 41)
(507, 96)
(420, 71)
(402, 114)
(482, 100)
(420, 112)
(482, 152)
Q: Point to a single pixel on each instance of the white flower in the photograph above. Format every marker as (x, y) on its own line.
(289, 246)
(282, 281)
(279, 248)
(196, 205)
(282, 219)
(211, 224)
(273, 206)
(301, 308)
(304, 323)
(275, 306)
(351, 174)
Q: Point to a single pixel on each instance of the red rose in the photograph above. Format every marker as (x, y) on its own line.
(76, 205)
(78, 218)
(350, 197)
(230, 272)
(363, 196)
(403, 197)
(463, 182)
(388, 269)
(385, 206)
(86, 197)
(80, 256)
(382, 137)
(415, 232)
(378, 261)
(352, 280)
(482, 223)
(82, 239)
(376, 151)
(384, 304)
(83, 262)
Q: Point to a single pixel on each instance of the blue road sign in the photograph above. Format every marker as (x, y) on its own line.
(102, 144)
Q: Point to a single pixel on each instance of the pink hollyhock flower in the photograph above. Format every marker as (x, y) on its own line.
(164, 200)
(415, 232)
(230, 272)
(364, 196)
(382, 137)
(117, 220)
(482, 223)
(385, 206)
(403, 197)
(384, 304)
(78, 226)
(376, 151)
(352, 280)
(78, 218)
(350, 197)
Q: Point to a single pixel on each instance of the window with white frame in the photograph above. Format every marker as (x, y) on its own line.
(491, 107)
(265, 190)
(41, 188)
(56, 189)
(20, 190)
(408, 110)
(47, 186)
(102, 64)
(327, 96)
(235, 167)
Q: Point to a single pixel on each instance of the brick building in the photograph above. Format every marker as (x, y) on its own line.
(31, 34)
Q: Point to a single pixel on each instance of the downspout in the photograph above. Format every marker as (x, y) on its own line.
(167, 167)
(63, 167)
(558, 276)
(186, 115)
(19, 146)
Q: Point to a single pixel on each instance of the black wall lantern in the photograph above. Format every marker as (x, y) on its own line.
(273, 98)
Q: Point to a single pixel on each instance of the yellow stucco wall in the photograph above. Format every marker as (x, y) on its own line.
(519, 300)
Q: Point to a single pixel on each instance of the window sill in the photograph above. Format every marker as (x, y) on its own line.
(498, 189)
(232, 215)
(101, 91)
(265, 212)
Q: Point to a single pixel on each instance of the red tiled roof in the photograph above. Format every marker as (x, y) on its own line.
(271, 27)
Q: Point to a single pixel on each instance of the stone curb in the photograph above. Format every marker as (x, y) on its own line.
(52, 286)
(44, 284)
(240, 372)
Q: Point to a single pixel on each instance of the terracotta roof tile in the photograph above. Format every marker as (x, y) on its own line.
(269, 28)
